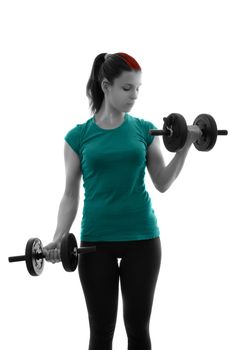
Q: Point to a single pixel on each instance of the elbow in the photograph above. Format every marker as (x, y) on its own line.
(161, 186)
(71, 200)
(159, 182)
(162, 189)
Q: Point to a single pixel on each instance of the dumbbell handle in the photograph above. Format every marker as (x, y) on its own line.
(23, 257)
(169, 132)
(85, 250)
(222, 132)
(17, 258)
(160, 132)
(82, 250)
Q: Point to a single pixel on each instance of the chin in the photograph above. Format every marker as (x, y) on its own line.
(129, 107)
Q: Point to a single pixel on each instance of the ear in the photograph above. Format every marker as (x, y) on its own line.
(105, 85)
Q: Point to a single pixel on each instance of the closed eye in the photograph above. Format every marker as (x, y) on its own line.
(127, 89)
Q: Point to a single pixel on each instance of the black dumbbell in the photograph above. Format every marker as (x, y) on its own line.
(175, 132)
(34, 256)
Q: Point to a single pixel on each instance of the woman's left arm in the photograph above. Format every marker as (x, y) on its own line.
(163, 176)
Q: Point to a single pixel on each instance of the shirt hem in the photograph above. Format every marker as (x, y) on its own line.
(119, 239)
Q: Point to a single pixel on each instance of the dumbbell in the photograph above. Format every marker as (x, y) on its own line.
(34, 256)
(175, 132)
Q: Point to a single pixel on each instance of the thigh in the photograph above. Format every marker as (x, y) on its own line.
(99, 276)
(139, 271)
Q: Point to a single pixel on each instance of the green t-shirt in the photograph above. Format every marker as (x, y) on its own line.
(117, 206)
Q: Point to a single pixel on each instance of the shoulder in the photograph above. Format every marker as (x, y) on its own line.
(79, 128)
(75, 135)
(144, 125)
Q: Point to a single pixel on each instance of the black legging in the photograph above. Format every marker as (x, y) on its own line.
(100, 274)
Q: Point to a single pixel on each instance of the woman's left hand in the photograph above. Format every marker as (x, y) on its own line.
(194, 133)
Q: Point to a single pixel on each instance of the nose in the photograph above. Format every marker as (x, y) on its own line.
(134, 95)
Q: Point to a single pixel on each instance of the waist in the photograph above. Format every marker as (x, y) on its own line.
(134, 205)
(119, 249)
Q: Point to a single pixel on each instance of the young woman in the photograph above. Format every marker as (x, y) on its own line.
(111, 151)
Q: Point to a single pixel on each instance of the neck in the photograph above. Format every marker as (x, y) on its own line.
(109, 115)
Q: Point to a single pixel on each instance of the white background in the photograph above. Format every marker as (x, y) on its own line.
(47, 51)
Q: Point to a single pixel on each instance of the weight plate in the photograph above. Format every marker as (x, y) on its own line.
(209, 130)
(177, 124)
(68, 252)
(34, 263)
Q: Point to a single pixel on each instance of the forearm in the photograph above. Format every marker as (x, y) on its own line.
(170, 172)
(66, 215)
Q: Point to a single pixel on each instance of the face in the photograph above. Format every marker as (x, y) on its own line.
(123, 93)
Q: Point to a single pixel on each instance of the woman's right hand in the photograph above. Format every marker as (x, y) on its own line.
(52, 251)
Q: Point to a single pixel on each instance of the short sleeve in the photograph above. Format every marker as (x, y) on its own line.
(73, 139)
(147, 127)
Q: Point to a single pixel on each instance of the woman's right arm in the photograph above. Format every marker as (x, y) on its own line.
(70, 200)
(68, 205)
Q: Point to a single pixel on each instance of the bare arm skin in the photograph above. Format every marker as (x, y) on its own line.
(161, 175)
(69, 204)
(70, 200)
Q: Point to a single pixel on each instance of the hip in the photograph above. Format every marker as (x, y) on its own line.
(120, 249)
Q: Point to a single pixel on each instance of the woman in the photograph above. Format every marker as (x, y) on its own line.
(111, 150)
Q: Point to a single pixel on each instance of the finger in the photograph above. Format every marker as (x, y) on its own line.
(54, 258)
(55, 254)
(51, 255)
(58, 257)
(45, 252)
